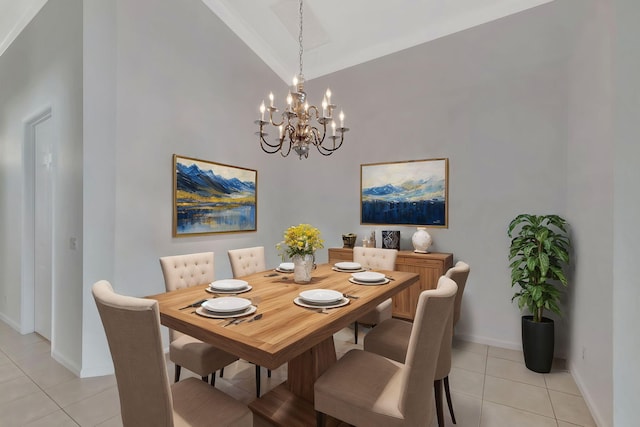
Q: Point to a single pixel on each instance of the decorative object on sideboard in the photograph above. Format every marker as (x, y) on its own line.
(349, 240)
(421, 240)
(413, 192)
(370, 241)
(296, 129)
(391, 239)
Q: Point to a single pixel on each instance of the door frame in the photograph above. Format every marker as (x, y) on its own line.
(27, 294)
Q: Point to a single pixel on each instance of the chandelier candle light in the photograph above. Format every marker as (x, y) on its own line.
(296, 127)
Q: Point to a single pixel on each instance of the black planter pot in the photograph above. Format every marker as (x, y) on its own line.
(537, 343)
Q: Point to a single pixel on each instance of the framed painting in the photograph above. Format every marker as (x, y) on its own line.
(413, 192)
(212, 197)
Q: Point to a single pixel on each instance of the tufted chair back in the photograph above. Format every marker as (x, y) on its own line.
(375, 258)
(183, 271)
(247, 261)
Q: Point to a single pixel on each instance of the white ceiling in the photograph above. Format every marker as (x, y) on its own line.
(337, 33)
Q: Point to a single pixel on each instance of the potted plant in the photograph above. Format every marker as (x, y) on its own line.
(538, 253)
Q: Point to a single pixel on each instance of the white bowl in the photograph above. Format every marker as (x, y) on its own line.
(321, 296)
(228, 285)
(226, 304)
(348, 265)
(368, 276)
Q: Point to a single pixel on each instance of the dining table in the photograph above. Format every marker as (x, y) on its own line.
(284, 332)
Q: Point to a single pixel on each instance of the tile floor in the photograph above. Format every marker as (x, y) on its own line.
(490, 388)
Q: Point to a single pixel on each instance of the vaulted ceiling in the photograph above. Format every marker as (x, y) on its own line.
(337, 33)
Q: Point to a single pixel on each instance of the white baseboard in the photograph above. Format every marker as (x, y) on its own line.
(73, 367)
(588, 399)
(489, 341)
(11, 323)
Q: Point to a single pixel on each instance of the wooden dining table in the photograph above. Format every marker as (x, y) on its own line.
(286, 332)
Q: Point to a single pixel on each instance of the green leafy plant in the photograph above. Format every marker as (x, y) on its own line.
(539, 250)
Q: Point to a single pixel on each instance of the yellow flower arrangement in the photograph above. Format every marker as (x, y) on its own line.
(302, 239)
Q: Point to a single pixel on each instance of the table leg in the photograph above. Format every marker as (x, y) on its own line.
(291, 404)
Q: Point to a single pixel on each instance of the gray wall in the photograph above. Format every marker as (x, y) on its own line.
(43, 67)
(590, 208)
(507, 102)
(626, 292)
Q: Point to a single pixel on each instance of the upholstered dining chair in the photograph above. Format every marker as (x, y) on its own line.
(182, 271)
(391, 339)
(146, 398)
(247, 261)
(395, 395)
(243, 262)
(375, 259)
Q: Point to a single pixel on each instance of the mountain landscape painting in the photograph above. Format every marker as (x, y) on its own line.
(212, 197)
(405, 193)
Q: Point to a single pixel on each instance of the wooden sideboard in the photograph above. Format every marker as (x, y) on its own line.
(429, 266)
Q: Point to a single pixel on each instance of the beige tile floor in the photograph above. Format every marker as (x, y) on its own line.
(490, 386)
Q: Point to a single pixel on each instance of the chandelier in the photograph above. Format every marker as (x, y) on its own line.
(301, 125)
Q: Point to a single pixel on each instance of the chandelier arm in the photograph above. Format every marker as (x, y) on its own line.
(327, 151)
(275, 147)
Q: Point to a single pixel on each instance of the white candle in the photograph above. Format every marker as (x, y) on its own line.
(333, 127)
(328, 95)
(262, 111)
(341, 119)
(324, 106)
(281, 131)
(271, 99)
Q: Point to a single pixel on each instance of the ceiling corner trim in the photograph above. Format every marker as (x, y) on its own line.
(22, 21)
(250, 38)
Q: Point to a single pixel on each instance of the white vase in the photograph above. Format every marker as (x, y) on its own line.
(302, 266)
(421, 240)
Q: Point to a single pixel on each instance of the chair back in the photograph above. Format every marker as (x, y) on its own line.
(138, 358)
(247, 261)
(183, 271)
(459, 274)
(433, 315)
(375, 258)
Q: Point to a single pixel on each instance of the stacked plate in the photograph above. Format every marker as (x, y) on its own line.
(347, 267)
(225, 307)
(285, 267)
(368, 278)
(321, 298)
(228, 286)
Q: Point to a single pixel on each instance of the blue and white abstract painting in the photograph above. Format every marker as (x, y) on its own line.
(212, 197)
(405, 193)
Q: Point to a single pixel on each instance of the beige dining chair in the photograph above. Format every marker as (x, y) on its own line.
(375, 259)
(395, 395)
(247, 261)
(243, 262)
(391, 339)
(182, 271)
(146, 398)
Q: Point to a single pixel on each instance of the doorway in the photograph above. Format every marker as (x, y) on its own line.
(38, 283)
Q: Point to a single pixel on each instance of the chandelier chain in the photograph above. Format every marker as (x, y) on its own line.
(300, 38)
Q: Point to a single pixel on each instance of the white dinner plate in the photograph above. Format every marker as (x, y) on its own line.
(368, 276)
(241, 291)
(206, 313)
(299, 301)
(279, 270)
(348, 265)
(228, 285)
(226, 304)
(321, 296)
(383, 282)
(286, 266)
(346, 271)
